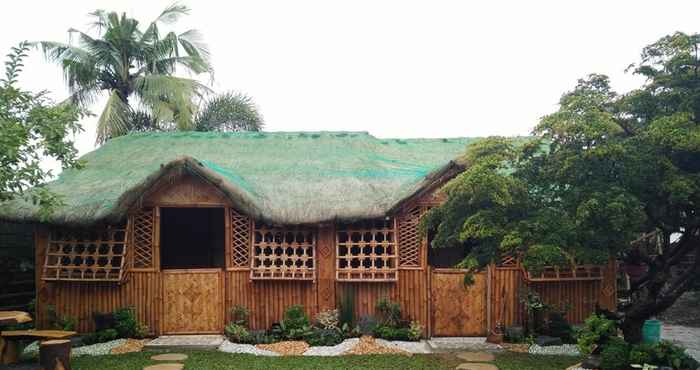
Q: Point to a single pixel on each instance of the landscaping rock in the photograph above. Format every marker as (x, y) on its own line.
(411, 347)
(591, 362)
(476, 366)
(544, 341)
(564, 349)
(229, 347)
(336, 350)
(131, 345)
(476, 356)
(170, 357)
(368, 346)
(286, 348)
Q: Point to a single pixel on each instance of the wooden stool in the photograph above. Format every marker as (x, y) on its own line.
(55, 354)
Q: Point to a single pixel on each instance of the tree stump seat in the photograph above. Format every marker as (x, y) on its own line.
(10, 338)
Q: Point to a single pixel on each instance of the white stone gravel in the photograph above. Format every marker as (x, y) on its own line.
(230, 347)
(336, 350)
(566, 349)
(410, 347)
(92, 350)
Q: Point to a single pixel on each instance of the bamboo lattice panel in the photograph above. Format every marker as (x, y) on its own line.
(86, 255)
(580, 272)
(366, 251)
(240, 240)
(142, 240)
(286, 254)
(410, 240)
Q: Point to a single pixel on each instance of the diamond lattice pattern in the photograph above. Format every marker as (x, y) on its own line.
(143, 227)
(240, 240)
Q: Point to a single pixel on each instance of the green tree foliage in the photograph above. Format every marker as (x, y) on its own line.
(601, 171)
(134, 68)
(229, 112)
(32, 128)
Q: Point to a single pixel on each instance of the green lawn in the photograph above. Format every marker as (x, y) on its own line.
(211, 360)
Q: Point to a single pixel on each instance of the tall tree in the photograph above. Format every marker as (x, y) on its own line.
(601, 171)
(229, 112)
(32, 128)
(135, 69)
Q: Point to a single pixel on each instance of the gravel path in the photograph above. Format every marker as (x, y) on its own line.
(410, 347)
(686, 336)
(93, 350)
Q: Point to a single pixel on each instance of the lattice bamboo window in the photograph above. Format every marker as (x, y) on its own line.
(143, 227)
(554, 273)
(410, 240)
(283, 253)
(367, 251)
(81, 255)
(240, 240)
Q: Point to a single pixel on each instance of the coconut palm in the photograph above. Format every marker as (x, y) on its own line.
(135, 69)
(229, 111)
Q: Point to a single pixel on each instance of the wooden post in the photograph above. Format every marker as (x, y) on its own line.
(44, 292)
(55, 354)
(325, 259)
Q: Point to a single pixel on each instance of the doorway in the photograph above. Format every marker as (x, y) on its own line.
(192, 238)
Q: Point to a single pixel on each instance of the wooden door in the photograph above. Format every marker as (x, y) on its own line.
(193, 301)
(457, 311)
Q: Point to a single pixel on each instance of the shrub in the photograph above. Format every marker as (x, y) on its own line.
(295, 324)
(415, 331)
(640, 354)
(107, 335)
(392, 333)
(240, 315)
(328, 319)
(237, 333)
(615, 354)
(558, 327)
(663, 353)
(366, 325)
(389, 312)
(67, 323)
(596, 331)
(126, 324)
(324, 337)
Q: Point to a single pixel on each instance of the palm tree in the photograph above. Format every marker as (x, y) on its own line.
(229, 112)
(135, 66)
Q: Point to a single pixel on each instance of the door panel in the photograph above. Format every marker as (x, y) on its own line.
(193, 301)
(458, 311)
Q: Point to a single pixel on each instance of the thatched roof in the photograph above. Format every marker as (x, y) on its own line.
(280, 177)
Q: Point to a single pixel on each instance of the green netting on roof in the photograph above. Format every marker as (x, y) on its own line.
(287, 177)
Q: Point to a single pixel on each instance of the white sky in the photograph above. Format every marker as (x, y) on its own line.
(393, 68)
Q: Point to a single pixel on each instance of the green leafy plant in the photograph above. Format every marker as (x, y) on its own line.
(328, 319)
(366, 325)
(127, 325)
(389, 312)
(240, 315)
(58, 322)
(663, 353)
(595, 333)
(324, 337)
(295, 324)
(415, 331)
(558, 327)
(392, 333)
(237, 333)
(615, 354)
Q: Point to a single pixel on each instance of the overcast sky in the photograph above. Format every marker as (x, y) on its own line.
(393, 68)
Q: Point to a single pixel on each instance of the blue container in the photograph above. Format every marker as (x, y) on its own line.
(651, 331)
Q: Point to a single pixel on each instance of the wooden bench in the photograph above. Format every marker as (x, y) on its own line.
(10, 338)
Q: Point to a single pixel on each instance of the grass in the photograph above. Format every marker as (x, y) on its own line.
(212, 360)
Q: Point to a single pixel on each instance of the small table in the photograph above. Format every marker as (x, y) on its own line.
(10, 338)
(14, 317)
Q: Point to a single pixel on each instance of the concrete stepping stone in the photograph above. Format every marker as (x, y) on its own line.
(476, 366)
(476, 356)
(165, 367)
(170, 357)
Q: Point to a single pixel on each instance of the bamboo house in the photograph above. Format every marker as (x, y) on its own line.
(183, 226)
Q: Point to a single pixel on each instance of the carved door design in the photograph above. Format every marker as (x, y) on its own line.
(458, 311)
(193, 301)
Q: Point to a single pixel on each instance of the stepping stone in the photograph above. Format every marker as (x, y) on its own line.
(170, 357)
(476, 356)
(476, 366)
(165, 367)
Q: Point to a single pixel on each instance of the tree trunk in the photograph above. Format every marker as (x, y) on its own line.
(632, 330)
(55, 354)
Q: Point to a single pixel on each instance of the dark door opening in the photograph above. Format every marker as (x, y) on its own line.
(192, 238)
